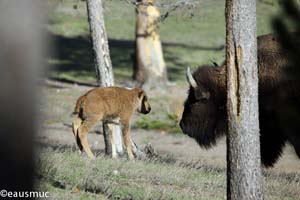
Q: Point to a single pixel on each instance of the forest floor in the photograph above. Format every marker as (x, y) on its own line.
(181, 170)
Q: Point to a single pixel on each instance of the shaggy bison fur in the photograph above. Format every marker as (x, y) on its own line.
(205, 118)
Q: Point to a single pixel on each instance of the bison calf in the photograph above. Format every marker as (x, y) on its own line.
(108, 103)
(205, 118)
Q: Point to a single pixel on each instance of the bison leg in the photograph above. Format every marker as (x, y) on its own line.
(272, 139)
(82, 140)
(127, 140)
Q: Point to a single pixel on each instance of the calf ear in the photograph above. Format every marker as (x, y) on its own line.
(145, 106)
(140, 93)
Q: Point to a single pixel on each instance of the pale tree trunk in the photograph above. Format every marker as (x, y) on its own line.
(103, 66)
(104, 74)
(149, 68)
(102, 59)
(244, 176)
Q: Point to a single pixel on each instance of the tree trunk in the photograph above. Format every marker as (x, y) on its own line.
(244, 176)
(102, 59)
(149, 68)
(103, 66)
(104, 74)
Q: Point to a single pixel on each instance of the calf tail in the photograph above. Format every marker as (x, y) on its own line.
(78, 106)
(75, 125)
(77, 111)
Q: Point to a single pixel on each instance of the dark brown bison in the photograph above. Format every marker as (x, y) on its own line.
(205, 118)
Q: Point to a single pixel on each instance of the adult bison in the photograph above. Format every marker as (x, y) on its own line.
(205, 118)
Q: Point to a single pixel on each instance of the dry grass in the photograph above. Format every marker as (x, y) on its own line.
(67, 174)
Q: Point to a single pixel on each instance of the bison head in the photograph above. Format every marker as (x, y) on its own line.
(204, 115)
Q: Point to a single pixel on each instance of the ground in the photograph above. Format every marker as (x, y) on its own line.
(181, 170)
(178, 154)
(61, 98)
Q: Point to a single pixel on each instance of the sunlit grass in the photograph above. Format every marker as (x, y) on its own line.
(186, 40)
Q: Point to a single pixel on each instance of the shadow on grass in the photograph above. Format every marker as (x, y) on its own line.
(64, 147)
(74, 56)
(69, 81)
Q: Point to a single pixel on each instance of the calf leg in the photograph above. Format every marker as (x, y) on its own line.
(127, 140)
(83, 130)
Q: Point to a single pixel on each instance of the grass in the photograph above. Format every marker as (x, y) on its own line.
(186, 40)
(120, 179)
(169, 124)
(166, 112)
(64, 173)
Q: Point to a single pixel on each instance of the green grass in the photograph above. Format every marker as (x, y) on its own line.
(121, 179)
(169, 124)
(60, 193)
(67, 175)
(186, 40)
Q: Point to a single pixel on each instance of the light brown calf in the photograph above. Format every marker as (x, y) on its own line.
(108, 103)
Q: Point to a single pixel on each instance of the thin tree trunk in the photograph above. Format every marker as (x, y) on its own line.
(149, 67)
(104, 74)
(244, 177)
(102, 61)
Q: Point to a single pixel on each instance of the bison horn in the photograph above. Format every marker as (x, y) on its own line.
(190, 78)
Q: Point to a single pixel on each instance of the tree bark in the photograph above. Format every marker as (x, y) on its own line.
(102, 59)
(149, 67)
(104, 74)
(103, 65)
(244, 176)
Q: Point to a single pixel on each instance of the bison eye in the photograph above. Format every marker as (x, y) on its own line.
(202, 95)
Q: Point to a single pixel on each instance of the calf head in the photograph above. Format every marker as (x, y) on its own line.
(143, 103)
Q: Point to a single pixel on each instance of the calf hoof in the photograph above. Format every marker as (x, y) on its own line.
(92, 157)
(131, 157)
